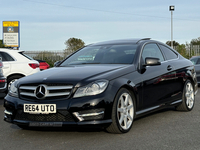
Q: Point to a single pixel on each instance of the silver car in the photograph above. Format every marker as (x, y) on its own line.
(196, 61)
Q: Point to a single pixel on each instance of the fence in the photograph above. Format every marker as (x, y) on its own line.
(52, 55)
(194, 50)
(49, 56)
(191, 50)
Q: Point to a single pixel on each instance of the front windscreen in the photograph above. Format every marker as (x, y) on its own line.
(106, 54)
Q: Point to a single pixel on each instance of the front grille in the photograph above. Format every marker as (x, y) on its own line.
(60, 116)
(49, 91)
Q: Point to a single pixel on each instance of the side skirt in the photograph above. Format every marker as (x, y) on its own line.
(155, 108)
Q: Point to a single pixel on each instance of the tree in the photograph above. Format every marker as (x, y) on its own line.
(174, 43)
(73, 44)
(1, 44)
(182, 50)
(195, 41)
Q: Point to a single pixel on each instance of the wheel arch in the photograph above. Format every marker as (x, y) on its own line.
(191, 75)
(191, 80)
(15, 74)
(131, 90)
(129, 85)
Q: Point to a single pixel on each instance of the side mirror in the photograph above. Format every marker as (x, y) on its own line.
(56, 63)
(151, 61)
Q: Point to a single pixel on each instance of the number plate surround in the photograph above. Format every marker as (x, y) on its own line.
(39, 108)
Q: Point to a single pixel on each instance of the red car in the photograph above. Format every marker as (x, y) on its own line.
(43, 65)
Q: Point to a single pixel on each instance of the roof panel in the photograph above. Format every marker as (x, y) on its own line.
(121, 41)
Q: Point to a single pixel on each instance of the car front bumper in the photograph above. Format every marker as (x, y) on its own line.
(86, 111)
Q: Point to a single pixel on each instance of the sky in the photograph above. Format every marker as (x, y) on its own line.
(47, 24)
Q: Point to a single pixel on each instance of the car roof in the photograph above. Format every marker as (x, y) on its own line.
(121, 41)
(195, 57)
(10, 50)
(15, 54)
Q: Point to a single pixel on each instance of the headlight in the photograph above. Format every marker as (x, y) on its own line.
(13, 89)
(94, 88)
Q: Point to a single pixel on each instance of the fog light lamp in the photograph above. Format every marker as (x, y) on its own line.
(94, 114)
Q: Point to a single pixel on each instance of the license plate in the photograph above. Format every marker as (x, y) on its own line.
(40, 108)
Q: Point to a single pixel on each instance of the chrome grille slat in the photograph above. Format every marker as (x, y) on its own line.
(28, 87)
(59, 87)
(57, 94)
(27, 94)
(52, 91)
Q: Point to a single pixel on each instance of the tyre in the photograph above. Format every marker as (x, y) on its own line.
(123, 112)
(11, 79)
(188, 97)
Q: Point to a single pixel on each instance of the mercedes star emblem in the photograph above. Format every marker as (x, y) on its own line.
(40, 92)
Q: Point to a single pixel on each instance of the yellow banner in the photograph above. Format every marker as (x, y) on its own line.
(10, 23)
(11, 45)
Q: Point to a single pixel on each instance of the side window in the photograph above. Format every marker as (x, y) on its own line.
(195, 61)
(198, 62)
(152, 50)
(6, 57)
(168, 52)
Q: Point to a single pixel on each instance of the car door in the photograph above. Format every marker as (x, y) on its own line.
(6, 59)
(180, 69)
(157, 80)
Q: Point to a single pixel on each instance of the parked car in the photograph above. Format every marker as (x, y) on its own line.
(3, 83)
(43, 65)
(16, 64)
(196, 61)
(123, 80)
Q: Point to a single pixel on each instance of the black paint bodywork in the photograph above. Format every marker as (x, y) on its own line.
(154, 87)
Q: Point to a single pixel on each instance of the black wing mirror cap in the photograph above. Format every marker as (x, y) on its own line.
(56, 63)
(151, 61)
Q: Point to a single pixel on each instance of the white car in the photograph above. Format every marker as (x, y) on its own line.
(16, 64)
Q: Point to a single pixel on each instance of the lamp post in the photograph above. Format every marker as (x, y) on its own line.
(171, 8)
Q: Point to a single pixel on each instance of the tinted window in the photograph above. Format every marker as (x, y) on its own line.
(105, 54)
(168, 53)
(6, 57)
(195, 61)
(198, 62)
(22, 53)
(152, 50)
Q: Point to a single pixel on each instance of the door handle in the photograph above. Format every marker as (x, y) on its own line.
(169, 68)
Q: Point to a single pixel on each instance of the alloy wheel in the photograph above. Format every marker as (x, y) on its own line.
(189, 95)
(125, 111)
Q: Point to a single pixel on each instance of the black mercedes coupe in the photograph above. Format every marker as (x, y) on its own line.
(106, 84)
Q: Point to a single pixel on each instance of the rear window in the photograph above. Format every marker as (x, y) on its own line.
(30, 58)
(168, 53)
